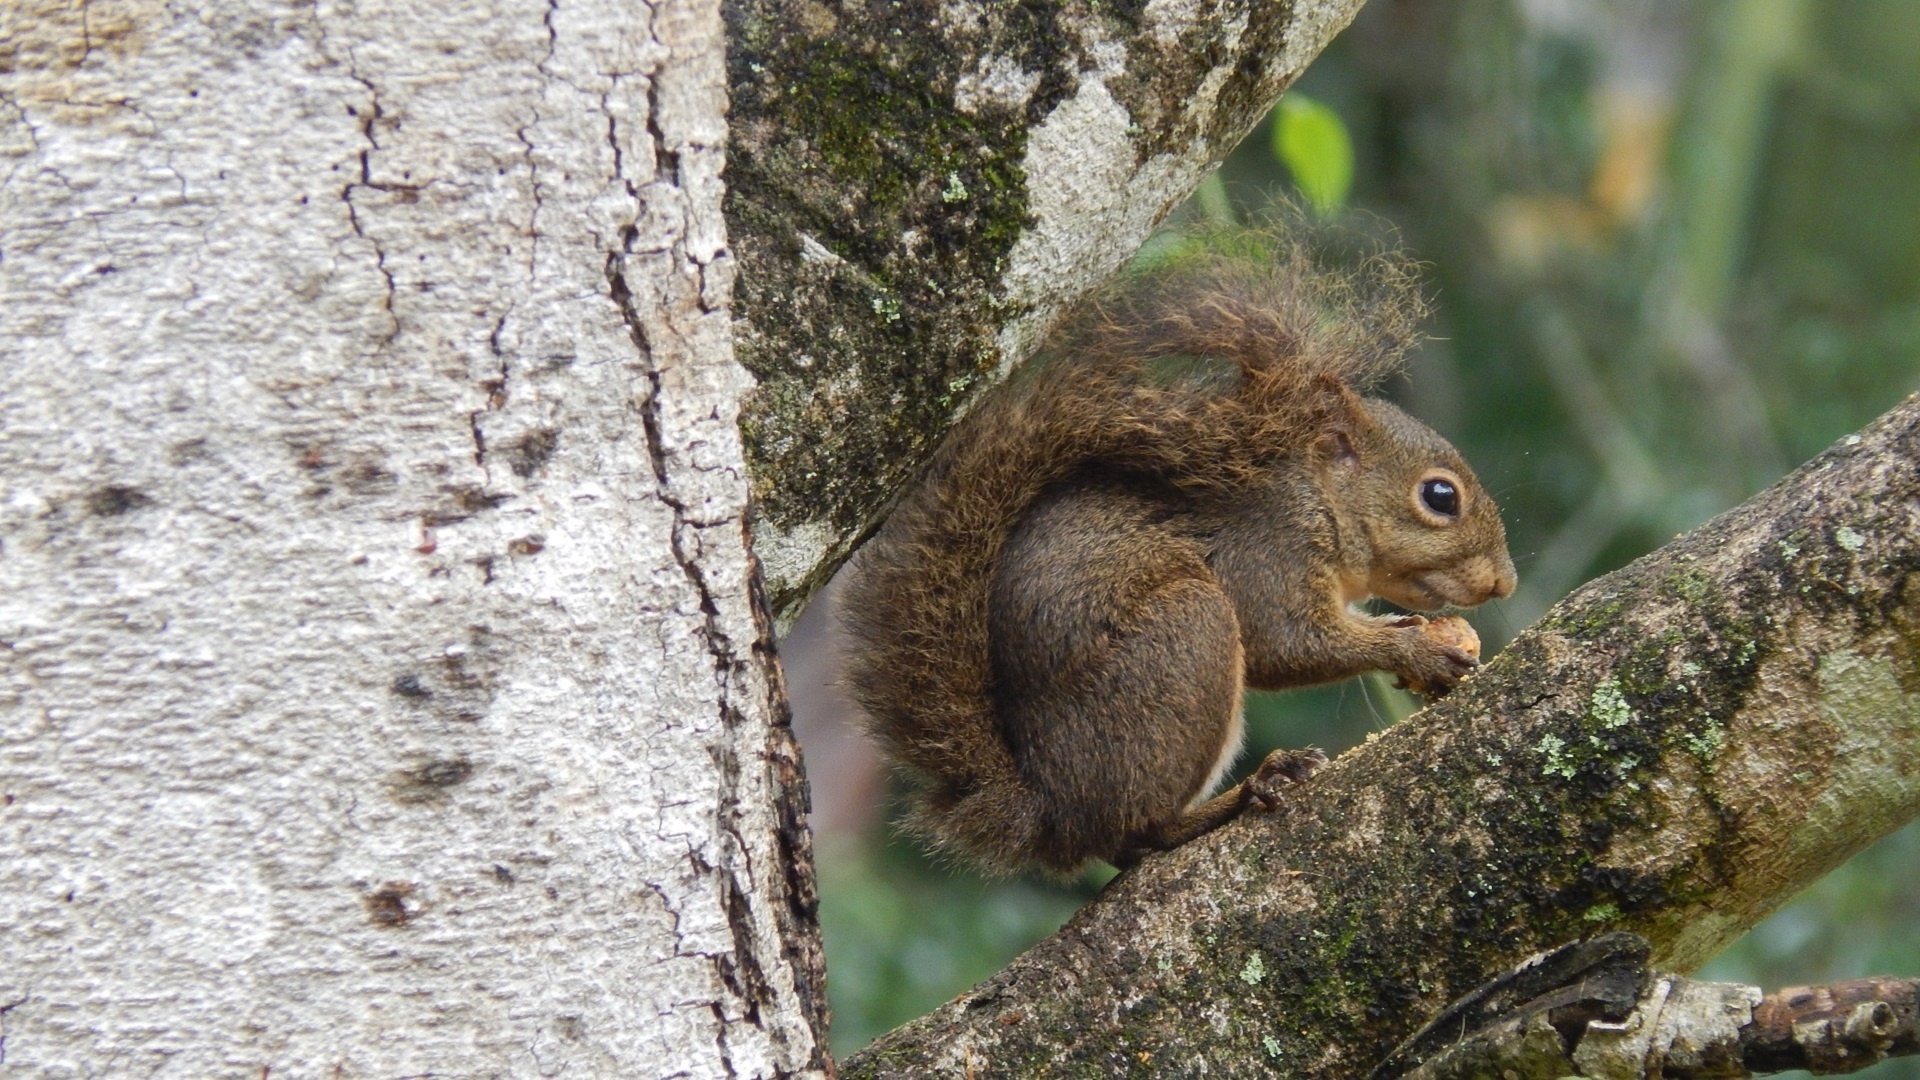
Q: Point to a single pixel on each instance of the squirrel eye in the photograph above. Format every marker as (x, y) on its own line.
(1440, 496)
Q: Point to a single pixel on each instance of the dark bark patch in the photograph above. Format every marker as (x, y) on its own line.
(367, 475)
(391, 905)
(429, 781)
(526, 454)
(410, 687)
(740, 969)
(443, 773)
(461, 503)
(113, 500)
(188, 451)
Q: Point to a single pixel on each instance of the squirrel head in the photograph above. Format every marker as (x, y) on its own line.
(1415, 526)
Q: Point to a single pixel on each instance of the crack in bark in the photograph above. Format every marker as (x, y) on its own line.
(666, 905)
(86, 35)
(33, 136)
(722, 1026)
(533, 186)
(613, 143)
(666, 160)
(374, 113)
(496, 399)
(553, 41)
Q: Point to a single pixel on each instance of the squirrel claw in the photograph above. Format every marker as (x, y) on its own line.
(1282, 769)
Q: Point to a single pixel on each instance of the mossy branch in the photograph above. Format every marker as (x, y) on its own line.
(1674, 750)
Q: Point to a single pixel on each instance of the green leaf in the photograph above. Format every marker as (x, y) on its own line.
(1312, 142)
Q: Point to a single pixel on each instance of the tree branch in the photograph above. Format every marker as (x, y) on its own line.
(917, 189)
(1674, 750)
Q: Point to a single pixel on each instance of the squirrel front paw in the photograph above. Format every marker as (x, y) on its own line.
(1441, 652)
(1282, 769)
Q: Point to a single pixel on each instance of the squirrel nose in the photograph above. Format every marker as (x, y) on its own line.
(1503, 577)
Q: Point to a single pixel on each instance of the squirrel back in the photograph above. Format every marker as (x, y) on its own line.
(1203, 380)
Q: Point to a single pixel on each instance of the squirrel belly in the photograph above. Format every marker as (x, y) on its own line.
(1051, 634)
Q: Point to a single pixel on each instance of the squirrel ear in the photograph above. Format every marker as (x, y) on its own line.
(1346, 422)
(1336, 446)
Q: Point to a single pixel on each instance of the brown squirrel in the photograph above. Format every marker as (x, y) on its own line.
(1183, 497)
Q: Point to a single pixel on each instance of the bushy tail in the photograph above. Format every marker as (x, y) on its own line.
(1201, 374)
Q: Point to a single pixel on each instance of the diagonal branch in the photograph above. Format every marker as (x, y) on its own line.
(916, 189)
(1674, 750)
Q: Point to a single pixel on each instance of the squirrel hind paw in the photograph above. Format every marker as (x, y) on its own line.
(1282, 769)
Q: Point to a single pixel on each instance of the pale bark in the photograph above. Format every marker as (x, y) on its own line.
(382, 689)
(1675, 750)
(919, 189)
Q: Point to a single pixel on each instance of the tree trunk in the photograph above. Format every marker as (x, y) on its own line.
(383, 688)
(1675, 750)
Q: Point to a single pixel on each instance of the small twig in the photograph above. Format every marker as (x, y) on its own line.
(1833, 1029)
(1670, 1027)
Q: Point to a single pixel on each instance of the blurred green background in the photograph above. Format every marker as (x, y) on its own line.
(1675, 248)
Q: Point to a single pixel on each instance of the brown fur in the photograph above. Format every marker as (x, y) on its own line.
(1048, 633)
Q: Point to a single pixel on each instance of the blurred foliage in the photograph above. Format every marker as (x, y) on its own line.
(903, 936)
(1312, 142)
(1676, 251)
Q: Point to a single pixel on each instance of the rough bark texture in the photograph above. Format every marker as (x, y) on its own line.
(919, 186)
(382, 688)
(1674, 750)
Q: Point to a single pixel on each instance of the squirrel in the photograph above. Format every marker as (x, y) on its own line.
(1184, 496)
